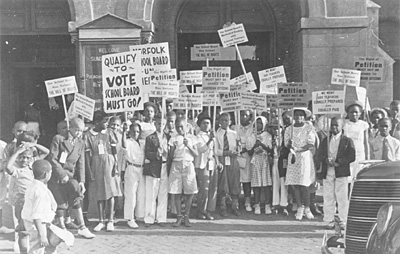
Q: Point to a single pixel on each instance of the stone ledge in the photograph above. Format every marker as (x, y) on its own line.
(323, 23)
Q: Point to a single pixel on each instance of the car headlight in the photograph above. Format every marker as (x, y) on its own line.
(383, 218)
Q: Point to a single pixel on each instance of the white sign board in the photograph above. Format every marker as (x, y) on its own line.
(83, 106)
(182, 88)
(292, 95)
(189, 101)
(270, 78)
(230, 102)
(371, 68)
(216, 79)
(168, 89)
(272, 101)
(345, 77)
(361, 93)
(121, 76)
(191, 77)
(158, 75)
(231, 35)
(204, 51)
(240, 83)
(61, 86)
(254, 101)
(211, 99)
(328, 102)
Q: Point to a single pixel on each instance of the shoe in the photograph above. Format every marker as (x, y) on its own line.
(71, 225)
(86, 233)
(300, 213)
(308, 213)
(178, 221)
(224, 212)
(247, 205)
(132, 224)
(187, 222)
(285, 212)
(294, 207)
(6, 230)
(315, 210)
(110, 226)
(330, 225)
(342, 225)
(209, 216)
(257, 209)
(268, 210)
(201, 216)
(236, 212)
(99, 227)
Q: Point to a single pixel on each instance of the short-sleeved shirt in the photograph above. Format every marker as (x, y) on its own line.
(182, 153)
(134, 151)
(23, 177)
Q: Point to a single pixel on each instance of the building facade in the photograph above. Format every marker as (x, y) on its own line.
(46, 39)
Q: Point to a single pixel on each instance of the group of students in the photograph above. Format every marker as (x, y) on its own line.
(155, 165)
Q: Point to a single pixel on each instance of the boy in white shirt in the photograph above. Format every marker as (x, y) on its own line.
(384, 146)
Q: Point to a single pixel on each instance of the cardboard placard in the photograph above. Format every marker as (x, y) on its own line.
(230, 102)
(204, 51)
(270, 78)
(361, 94)
(191, 77)
(345, 77)
(233, 34)
(371, 68)
(216, 79)
(122, 88)
(182, 88)
(253, 101)
(83, 106)
(189, 101)
(168, 89)
(328, 102)
(211, 99)
(158, 75)
(272, 100)
(291, 95)
(240, 83)
(61, 86)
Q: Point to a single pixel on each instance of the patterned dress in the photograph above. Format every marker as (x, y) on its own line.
(260, 170)
(302, 172)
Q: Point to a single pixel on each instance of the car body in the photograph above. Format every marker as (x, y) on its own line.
(373, 187)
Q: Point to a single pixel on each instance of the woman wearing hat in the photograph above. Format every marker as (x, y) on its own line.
(300, 139)
(357, 130)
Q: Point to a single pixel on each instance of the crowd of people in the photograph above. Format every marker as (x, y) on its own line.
(158, 162)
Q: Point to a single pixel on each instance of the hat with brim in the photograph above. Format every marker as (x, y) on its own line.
(63, 234)
(305, 110)
(203, 117)
(353, 103)
(150, 104)
(380, 110)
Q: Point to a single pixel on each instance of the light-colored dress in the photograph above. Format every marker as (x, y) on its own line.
(105, 185)
(302, 172)
(260, 170)
(355, 131)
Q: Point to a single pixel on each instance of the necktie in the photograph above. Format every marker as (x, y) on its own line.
(385, 150)
(226, 142)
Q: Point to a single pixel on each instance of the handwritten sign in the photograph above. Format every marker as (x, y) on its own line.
(371, 68)
(233, 34)
(61, 86)
(254, 101)
(216, 79)
(189, 101)
(345, 77)
(328, 102)
(240, 83)
(168, 89)
(292, 95)
(230, 102)
(191, 77)
(84, 106)
(122, 90)
(211, 99)
(272, 101)
(203, 51)
(270, 78)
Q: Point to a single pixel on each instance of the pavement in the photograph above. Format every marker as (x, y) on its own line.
(248, 233)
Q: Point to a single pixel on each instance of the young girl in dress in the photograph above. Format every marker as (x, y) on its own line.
(357, 130)
(103, 167)
(261, 180)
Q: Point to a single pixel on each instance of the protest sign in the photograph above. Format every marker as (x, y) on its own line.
(216, 79)
(345, 77)
(122, 90)
(211, 99)
(270, 78)
(240, 83)
(189, 101)
(182, 88)
(83, 106)
(272, 101)
(328, 102)
(61, 86)
(191, 77)
(168, 89)
(371, 68)
(361, 94)
(158, 75)
(204, 51)
(230, 102)
(253, 101)
(233, 34)
(292, 95)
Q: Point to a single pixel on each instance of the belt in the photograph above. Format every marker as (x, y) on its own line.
(134, 164)
(164, 161)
